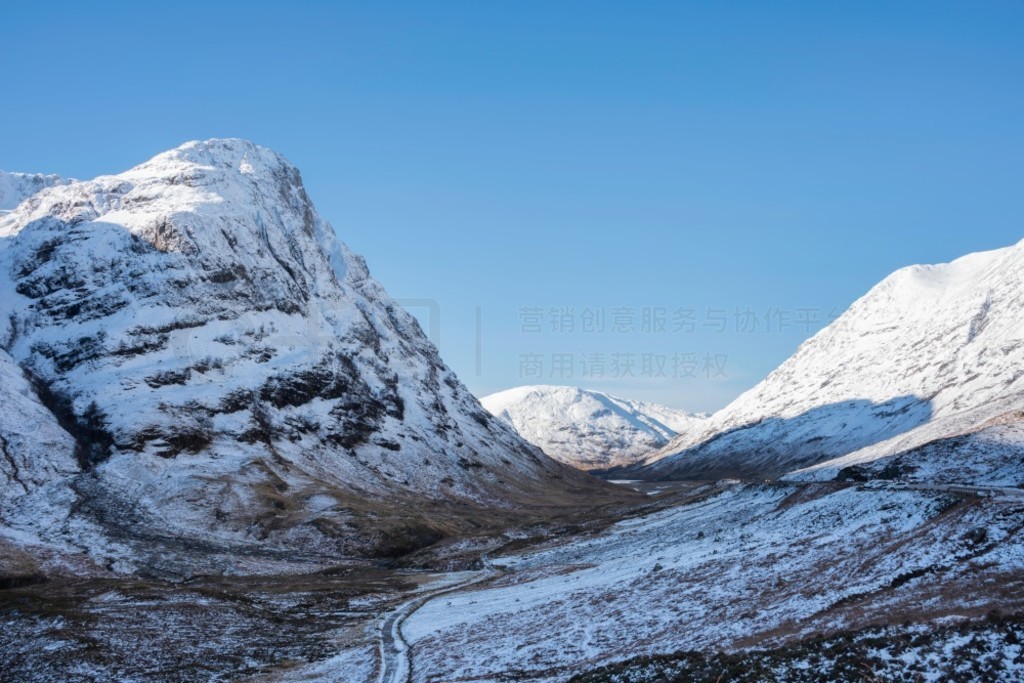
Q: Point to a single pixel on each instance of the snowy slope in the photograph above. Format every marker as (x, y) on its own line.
(588, 429)
(230, 369)
(34, 450)
(750, 567)
(37, 457)
(38, 470)
(929, 352)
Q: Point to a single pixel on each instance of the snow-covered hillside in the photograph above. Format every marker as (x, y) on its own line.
(748, 567)
(930, 352)
(588, 429)
(34, 450)
(230, 370)
(37, 463)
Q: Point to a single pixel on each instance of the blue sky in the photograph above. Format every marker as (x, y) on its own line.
(666, 165)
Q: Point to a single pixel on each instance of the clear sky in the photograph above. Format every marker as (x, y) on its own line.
(668, 165)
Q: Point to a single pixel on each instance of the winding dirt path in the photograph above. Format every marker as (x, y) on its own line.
(395, 656)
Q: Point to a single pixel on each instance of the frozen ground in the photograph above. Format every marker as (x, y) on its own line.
(968, 651)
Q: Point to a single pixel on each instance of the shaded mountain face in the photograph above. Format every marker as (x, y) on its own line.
(227, 370)
(587, 429)
(930, 352)
(990, 454)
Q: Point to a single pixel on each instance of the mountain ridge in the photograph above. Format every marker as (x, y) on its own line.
(930, 349)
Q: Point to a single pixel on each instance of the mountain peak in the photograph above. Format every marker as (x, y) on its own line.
(223, 154)
(225, 169)
(214, 199)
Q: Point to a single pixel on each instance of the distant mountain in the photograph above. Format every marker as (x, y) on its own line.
(930, 352)
(227, 372)
(587, 429)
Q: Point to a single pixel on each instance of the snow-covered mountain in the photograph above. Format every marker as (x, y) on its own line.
(930, 352)
(16, 187)
(228, 370)
(587, 429)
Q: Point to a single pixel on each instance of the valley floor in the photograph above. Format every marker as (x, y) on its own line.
(208, 630)
(778, 578)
